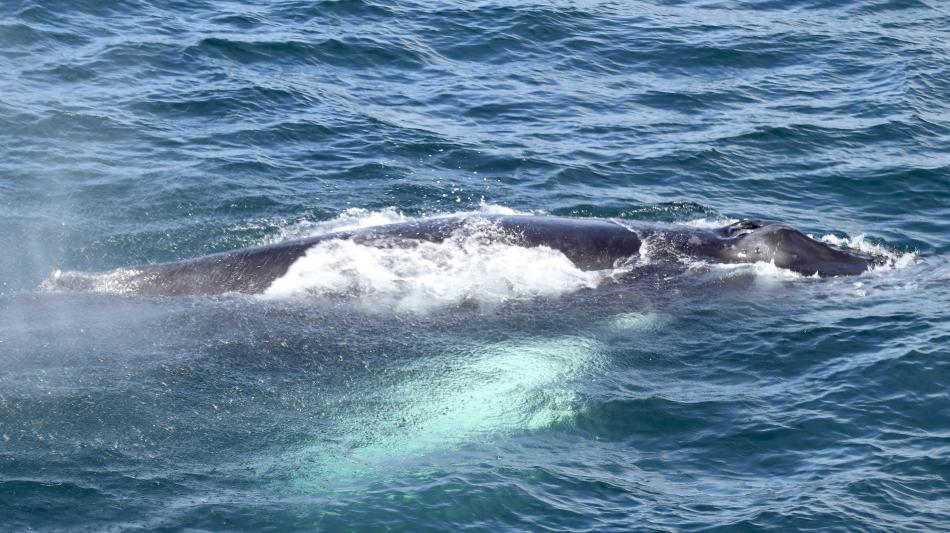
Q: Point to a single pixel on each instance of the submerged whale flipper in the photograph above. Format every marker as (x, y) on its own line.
(591, 244)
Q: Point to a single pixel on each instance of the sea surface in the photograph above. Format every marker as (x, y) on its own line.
(473, 388)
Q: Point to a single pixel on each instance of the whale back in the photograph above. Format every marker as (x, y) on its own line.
(789, 248)
(591, 244)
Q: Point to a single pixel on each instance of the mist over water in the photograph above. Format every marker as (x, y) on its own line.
(473, 385)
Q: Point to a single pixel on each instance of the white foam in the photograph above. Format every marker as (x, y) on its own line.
(474, 266)
(467, 268)
(892, 260)
(350, 219)
(470, 268)
(493, 209)
(710, 223)
(765, 271)
(358, 218)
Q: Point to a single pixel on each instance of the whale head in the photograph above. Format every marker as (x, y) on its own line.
(786, 247)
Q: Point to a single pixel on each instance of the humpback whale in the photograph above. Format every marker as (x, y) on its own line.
(591, 244)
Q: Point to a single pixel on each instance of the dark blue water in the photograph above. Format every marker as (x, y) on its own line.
(479, 389)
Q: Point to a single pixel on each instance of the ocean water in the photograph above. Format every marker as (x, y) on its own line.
(473, 387)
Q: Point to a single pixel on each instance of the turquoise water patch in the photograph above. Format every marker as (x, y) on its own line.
(439, 404)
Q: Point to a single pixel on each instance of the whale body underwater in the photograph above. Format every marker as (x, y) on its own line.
(590, 244)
